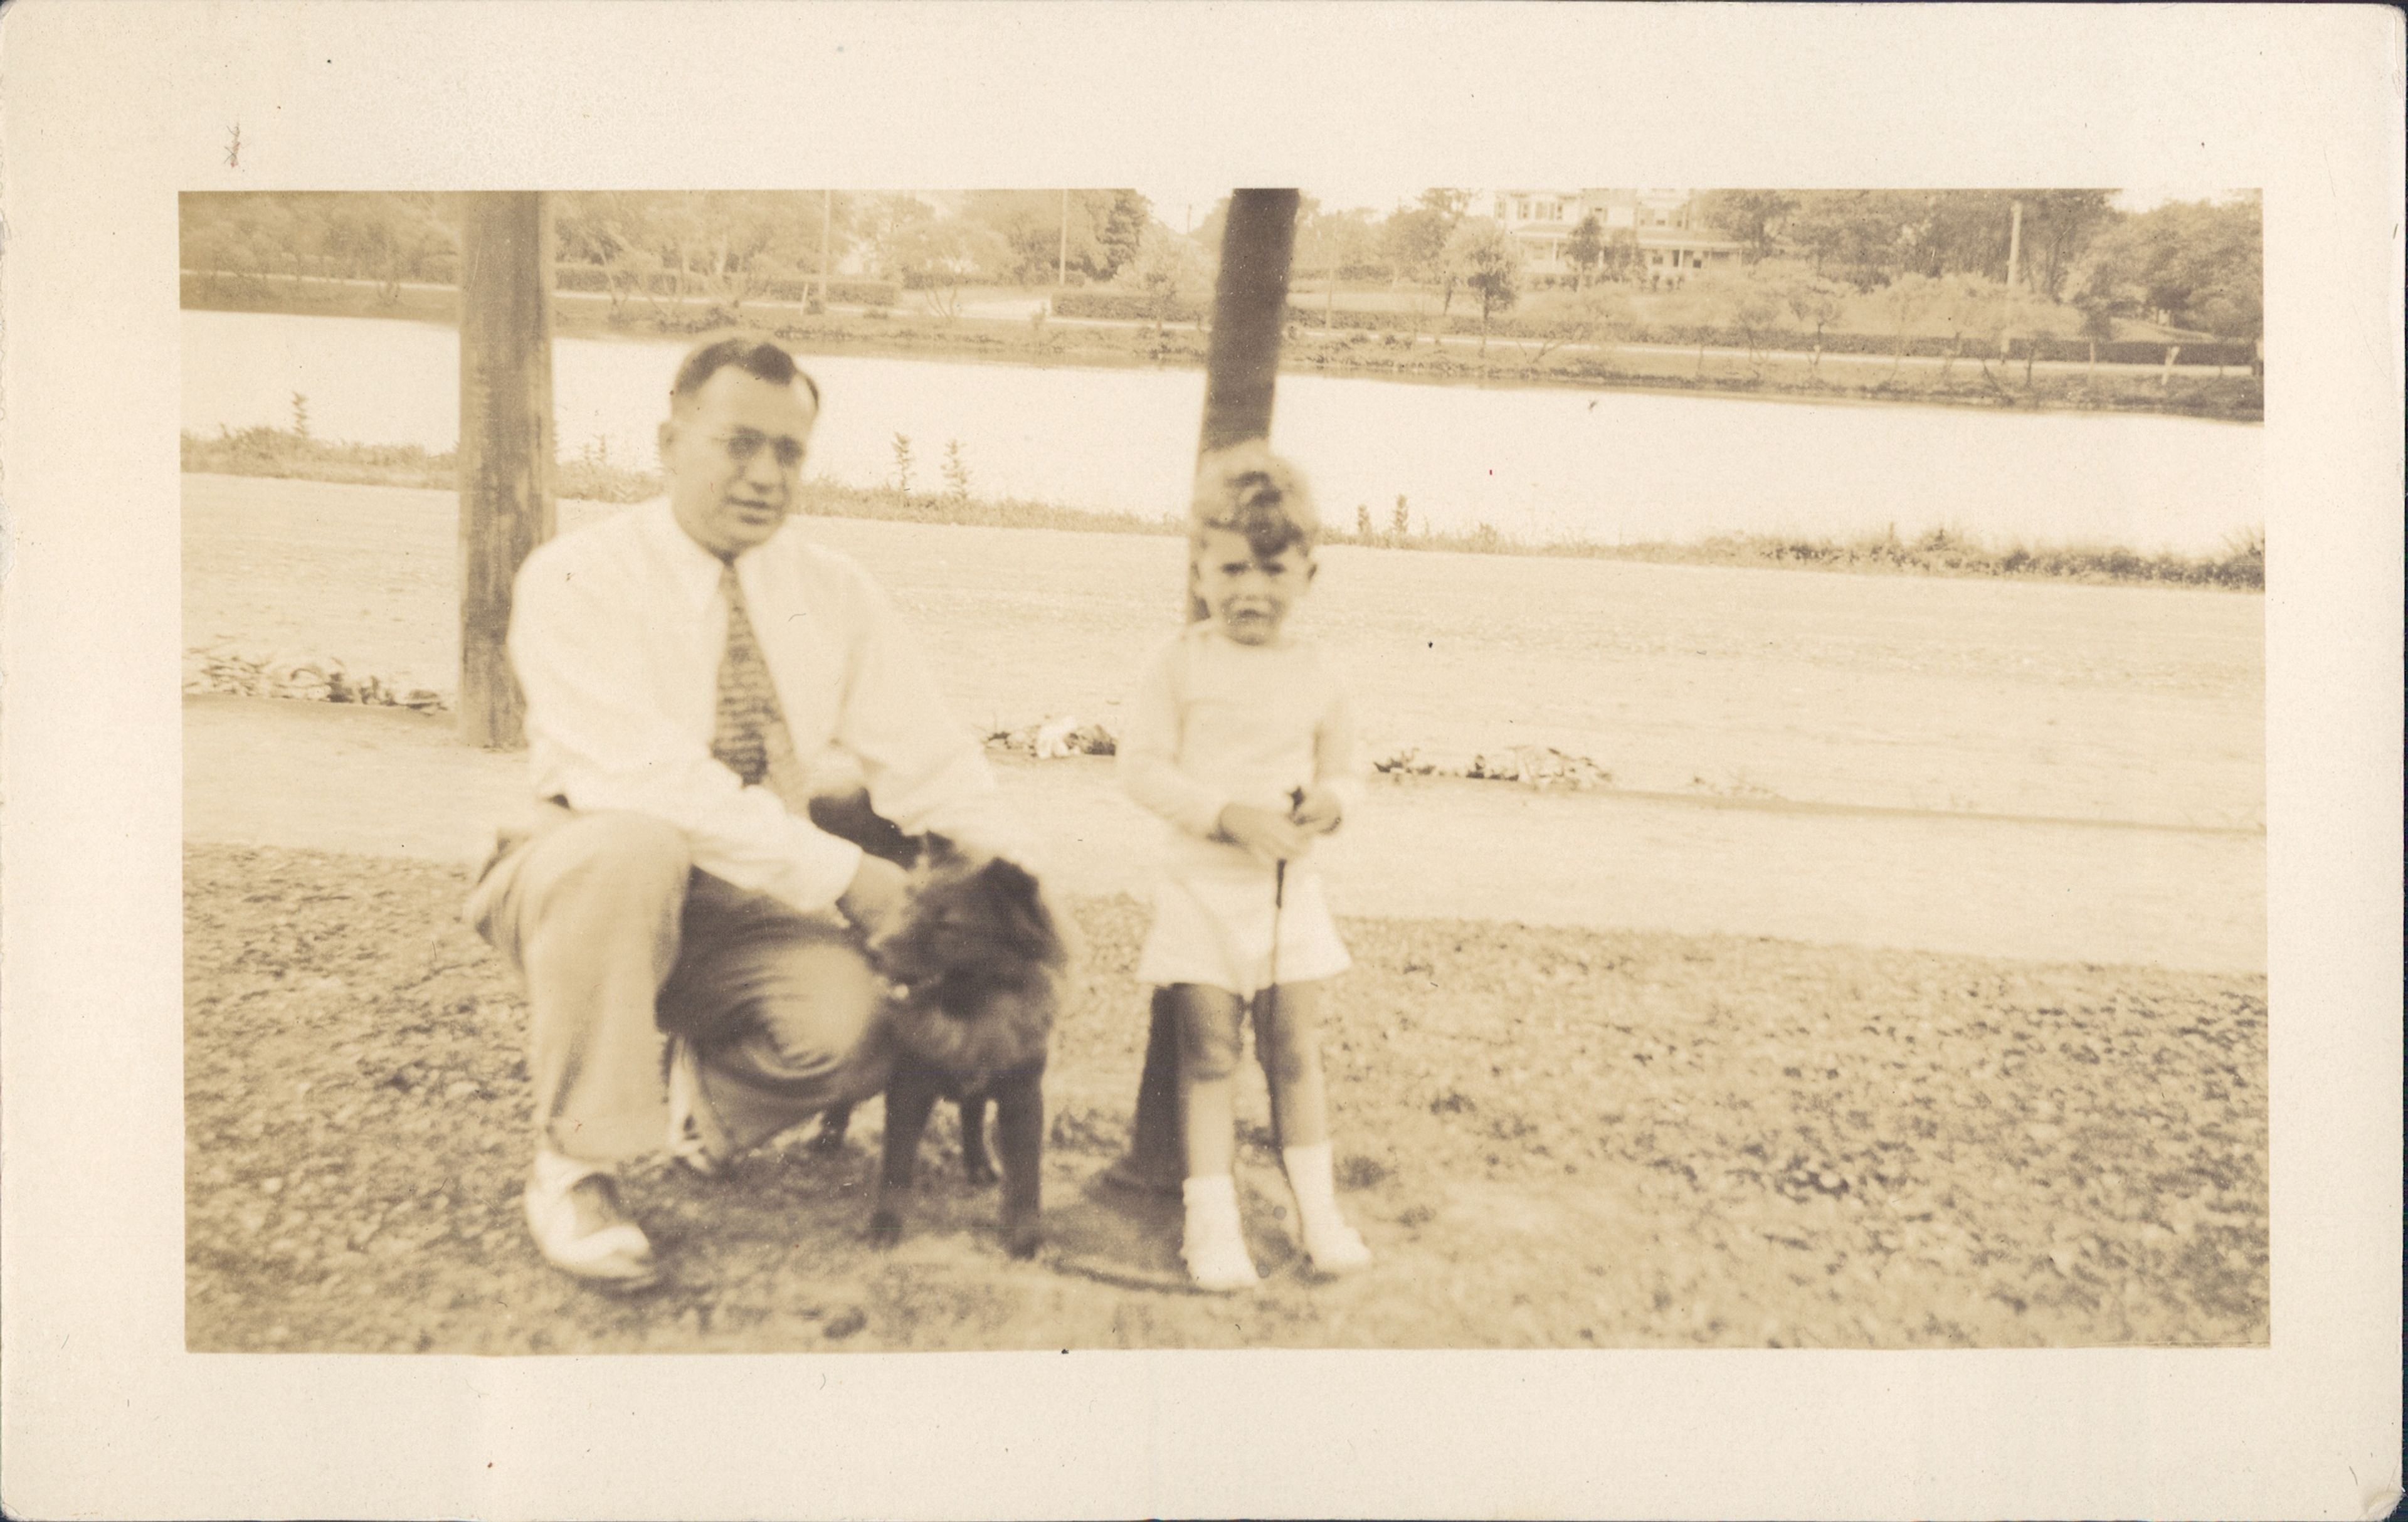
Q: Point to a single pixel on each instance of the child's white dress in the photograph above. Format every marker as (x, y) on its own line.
(1216, 723)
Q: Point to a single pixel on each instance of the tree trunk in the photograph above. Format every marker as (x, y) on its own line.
(1249, 302)
(506, 440)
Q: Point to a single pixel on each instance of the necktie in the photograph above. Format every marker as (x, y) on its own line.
(748, 704)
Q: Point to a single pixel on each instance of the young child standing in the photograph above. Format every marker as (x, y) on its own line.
(1242, 740)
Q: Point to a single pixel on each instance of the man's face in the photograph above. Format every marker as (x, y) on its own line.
(734, 454)
(1248, 596)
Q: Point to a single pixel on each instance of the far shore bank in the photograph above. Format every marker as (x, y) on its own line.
(1786, 373)
(2241, 566)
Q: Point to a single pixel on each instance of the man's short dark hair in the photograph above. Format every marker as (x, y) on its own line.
(755, 358)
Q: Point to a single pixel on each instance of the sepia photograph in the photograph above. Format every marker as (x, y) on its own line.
(1779, 674)
(931, 759)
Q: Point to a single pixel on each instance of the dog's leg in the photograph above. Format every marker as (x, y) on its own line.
(910, 1094)
(976, 1165)
(833, 1125)
(1019, 1136)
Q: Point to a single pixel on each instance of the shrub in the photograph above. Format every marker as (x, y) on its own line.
(1122, 306)
(863, 293)
(798, 288)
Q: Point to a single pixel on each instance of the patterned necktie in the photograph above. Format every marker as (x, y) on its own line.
(748, 704)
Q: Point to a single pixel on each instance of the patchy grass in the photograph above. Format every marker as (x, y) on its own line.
(285, 453)
(2241, 566)
(1551, 1137)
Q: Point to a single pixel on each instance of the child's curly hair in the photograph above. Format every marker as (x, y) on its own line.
(1246, 489)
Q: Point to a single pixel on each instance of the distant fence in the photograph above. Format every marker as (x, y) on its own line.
(1136, 307)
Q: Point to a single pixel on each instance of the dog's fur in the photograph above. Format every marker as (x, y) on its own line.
(977, 964)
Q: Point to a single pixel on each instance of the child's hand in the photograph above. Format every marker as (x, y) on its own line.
(1265, 832)
(1319, 811)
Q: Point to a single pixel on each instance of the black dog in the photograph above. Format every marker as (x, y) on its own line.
(976, 962)
(848, 816)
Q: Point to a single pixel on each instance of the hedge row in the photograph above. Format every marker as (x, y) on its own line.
(1934, 346)
(1122, 306)
(1132, 306)
(571, 276)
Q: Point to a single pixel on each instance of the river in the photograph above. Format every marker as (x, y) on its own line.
(1536, 463)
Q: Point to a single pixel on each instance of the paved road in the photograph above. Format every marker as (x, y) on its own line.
(386, 782)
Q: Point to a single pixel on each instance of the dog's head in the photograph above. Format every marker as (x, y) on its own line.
(977, 962)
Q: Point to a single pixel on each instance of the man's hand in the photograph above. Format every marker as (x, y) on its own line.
(1265, 832)
(1319, 811)
(876, 891)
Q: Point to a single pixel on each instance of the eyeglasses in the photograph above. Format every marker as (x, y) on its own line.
(744, 445)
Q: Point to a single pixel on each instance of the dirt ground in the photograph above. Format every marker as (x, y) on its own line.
(1552, 1137)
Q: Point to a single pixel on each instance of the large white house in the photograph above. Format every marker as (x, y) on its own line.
(1663, 223)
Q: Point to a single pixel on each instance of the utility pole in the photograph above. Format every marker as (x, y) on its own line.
(2014, 245)
(1248, 309)
(506, 441)
(1062, 265)
(827, 219)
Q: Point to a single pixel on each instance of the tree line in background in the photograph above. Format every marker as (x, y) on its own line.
(724, 246)
(1810, 259)
(2196, 264)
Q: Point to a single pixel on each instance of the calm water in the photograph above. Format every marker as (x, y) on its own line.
(1536, 463)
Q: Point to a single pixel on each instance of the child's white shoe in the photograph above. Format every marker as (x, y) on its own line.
(1337, 1248)
(1333, 1246)
(1214, 1242)
(1220, 1265)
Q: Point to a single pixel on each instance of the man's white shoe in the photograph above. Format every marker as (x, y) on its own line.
(696, 1138)
(573, 1210)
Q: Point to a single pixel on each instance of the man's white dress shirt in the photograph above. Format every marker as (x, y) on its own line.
(616, 635)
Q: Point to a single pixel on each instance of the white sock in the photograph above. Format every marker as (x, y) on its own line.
(1328, 1240)
(1211, 1201)
(1215, 1241)
(1309, 1173)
